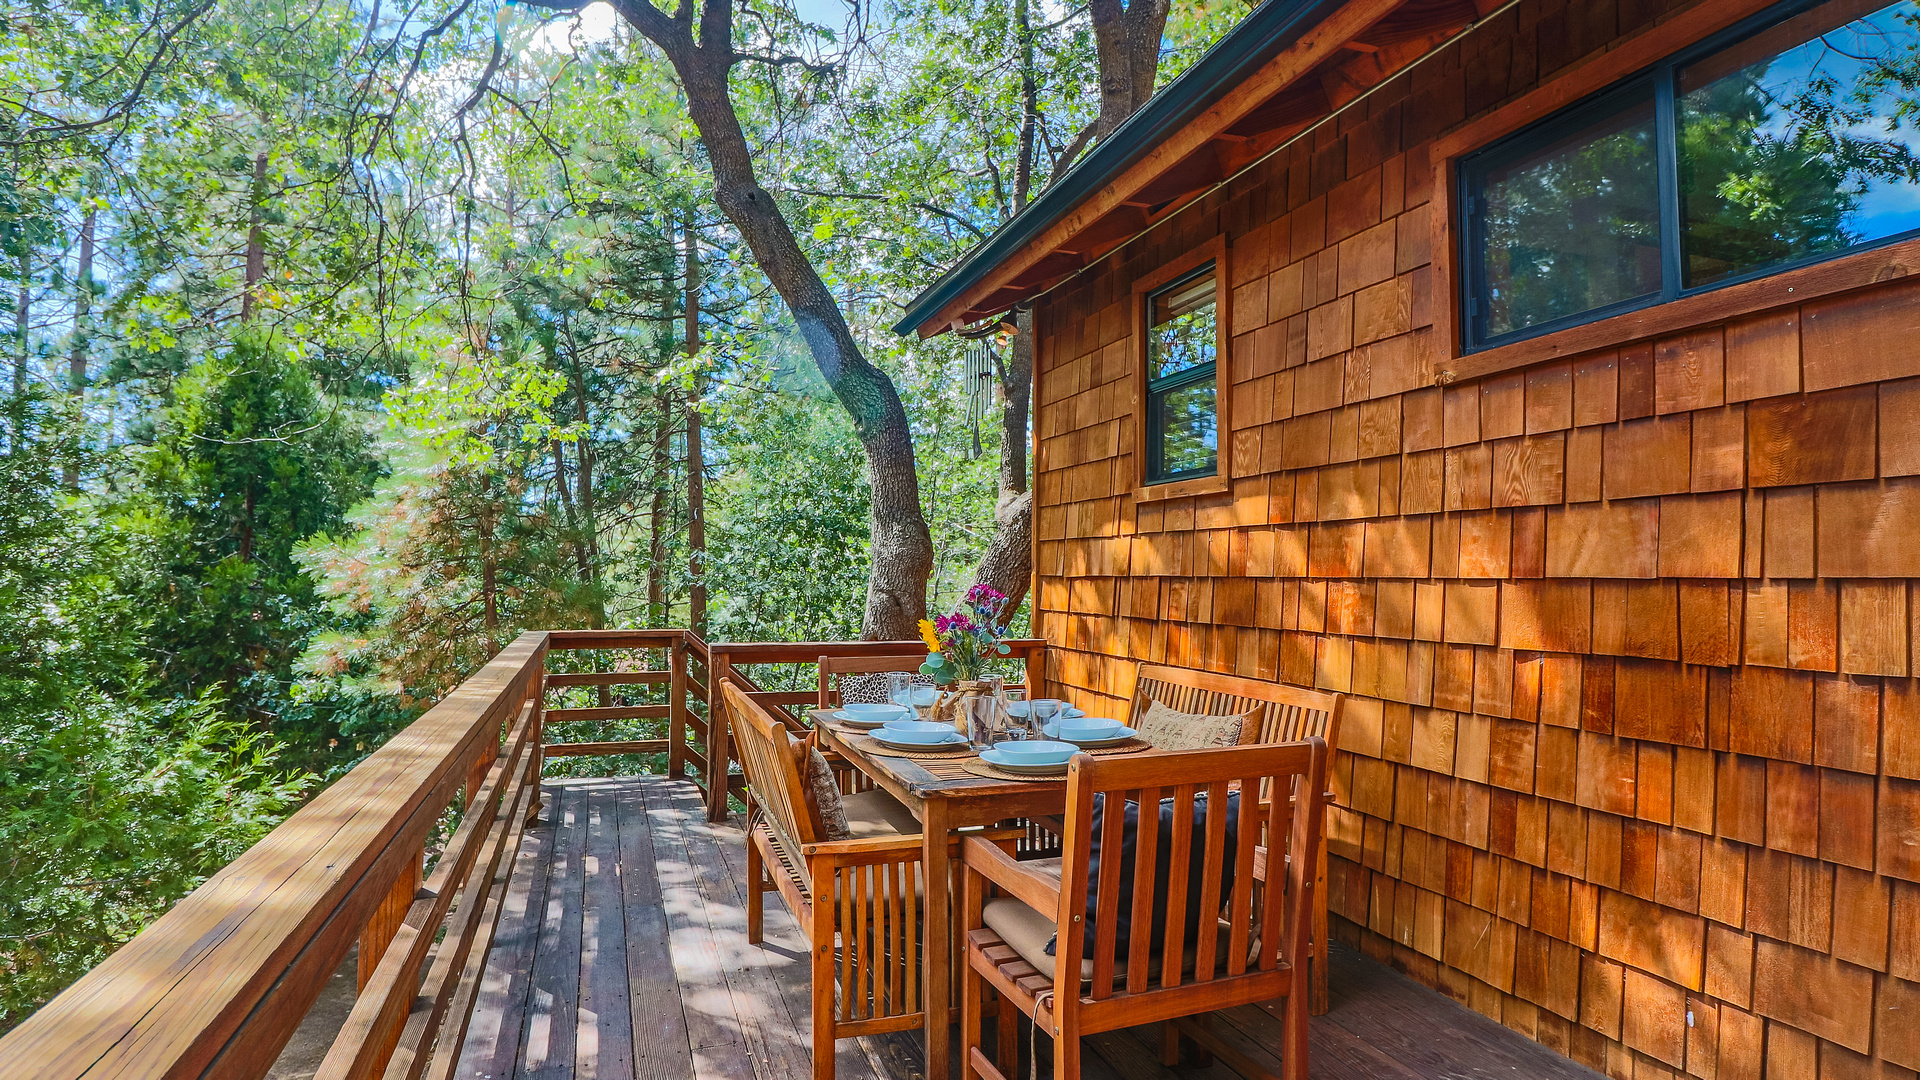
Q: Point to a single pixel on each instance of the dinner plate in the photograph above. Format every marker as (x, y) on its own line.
(955, 739)
(851, 720)
(1125, 733)
(1000, 761)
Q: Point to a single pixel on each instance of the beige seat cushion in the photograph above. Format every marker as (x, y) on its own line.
(1027, 932)
(876, 813)
(1170, 729)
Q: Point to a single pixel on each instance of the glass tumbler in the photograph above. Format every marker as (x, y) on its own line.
(986, 717)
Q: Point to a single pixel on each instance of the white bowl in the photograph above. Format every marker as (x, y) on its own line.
(1036, 752)
(917, 732)
(1087, 727)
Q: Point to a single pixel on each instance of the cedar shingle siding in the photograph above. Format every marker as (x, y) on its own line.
(1633, 757)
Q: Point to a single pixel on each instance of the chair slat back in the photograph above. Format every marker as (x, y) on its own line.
(831, 666)
(769, 754)
(1191, 882)
(1290, 713)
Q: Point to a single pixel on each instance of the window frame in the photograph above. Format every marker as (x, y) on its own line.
(1213, 251)
(1702, 28)
(1661, 82)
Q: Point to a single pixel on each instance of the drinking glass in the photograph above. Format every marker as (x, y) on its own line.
(986, 717)
(1019, 713)
(1044, 711)
(900, 688)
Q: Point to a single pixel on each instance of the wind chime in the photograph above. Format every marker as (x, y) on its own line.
(979, 375)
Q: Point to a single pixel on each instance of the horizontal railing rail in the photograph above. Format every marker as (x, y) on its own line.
(217, 985)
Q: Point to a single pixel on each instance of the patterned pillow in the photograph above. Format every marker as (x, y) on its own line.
(824, 792)
(1170, 730)
(871, 689)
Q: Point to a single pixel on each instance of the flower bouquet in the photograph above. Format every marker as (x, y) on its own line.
(960, 645)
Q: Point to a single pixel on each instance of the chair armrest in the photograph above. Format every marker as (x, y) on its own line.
(907, 846)
(1035, 890)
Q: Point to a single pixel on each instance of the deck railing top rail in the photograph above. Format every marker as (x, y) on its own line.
(217, 985)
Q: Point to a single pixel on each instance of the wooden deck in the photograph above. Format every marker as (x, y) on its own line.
(622, 953)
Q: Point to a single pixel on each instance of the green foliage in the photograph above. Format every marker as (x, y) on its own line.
(789, 530)
(108, 814)
(250, 461)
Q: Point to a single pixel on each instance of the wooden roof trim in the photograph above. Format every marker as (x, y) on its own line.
(1293, 63)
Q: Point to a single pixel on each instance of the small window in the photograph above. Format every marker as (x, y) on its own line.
(1790, 139)
(1182, 403)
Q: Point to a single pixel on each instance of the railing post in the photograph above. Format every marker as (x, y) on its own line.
(386, 920)
(1037, 672)
(677, 708)
(718, 668)
(537, 734)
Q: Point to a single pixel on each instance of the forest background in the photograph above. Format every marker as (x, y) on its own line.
(346, 338)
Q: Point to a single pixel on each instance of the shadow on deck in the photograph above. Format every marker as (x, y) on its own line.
(622, 953)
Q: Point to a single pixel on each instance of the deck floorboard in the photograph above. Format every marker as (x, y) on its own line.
(622, 955)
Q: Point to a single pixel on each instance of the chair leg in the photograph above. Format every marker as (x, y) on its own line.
(972, 990)
(756, 896)
(1066, 1055)
(1294, 1065)
(1169, 1044)
(821, 942)
(1317, 992)
(1006, 1029)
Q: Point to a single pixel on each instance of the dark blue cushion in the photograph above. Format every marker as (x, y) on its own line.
(1163, 858)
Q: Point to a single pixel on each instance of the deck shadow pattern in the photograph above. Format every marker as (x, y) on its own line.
(622, 955)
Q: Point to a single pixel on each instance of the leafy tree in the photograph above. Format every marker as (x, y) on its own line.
(109, 812)
(250, 461)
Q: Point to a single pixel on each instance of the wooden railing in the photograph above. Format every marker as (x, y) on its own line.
(217, 986)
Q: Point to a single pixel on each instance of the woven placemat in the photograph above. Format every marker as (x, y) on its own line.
(867, 744)
(1131, 746)
(981, 768)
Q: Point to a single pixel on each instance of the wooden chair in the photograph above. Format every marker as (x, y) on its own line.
(857, 901)
(833, 666)
(1248, 946)
(1291, 713)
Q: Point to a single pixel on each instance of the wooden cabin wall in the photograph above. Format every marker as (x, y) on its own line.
(1632, 762)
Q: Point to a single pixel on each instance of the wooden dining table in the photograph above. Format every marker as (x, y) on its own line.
(944, 799)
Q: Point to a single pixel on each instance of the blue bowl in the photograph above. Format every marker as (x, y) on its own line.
(871, 712)
(1036, 751)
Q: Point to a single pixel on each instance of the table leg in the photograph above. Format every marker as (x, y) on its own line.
(938, 942)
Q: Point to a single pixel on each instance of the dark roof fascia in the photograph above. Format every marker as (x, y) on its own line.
(1268, 29)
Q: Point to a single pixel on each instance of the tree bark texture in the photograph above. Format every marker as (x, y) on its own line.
(1126, 42)
(1007, 565)
(256, 239)
(696, 456)
(82, 308)
(901, 547)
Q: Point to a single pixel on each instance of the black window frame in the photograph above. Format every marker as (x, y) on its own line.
(1662, 81)
(1158, 389)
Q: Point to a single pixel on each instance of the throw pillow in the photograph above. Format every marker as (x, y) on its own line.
(871, 689)
(1163, 869)
(1169, 729)
(824, 792)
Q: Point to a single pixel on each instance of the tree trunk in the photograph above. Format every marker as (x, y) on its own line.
(1126, 43)
(657, 518)
(23, 320)
(696, 457)
(256, 239)
(902, 549)
(584, 495)
(1007, 565)
(82, 307)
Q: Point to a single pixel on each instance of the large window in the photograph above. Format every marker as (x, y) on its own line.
(1791, 138)
(1183, 415)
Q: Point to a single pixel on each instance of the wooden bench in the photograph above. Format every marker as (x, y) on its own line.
(1290, 714)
